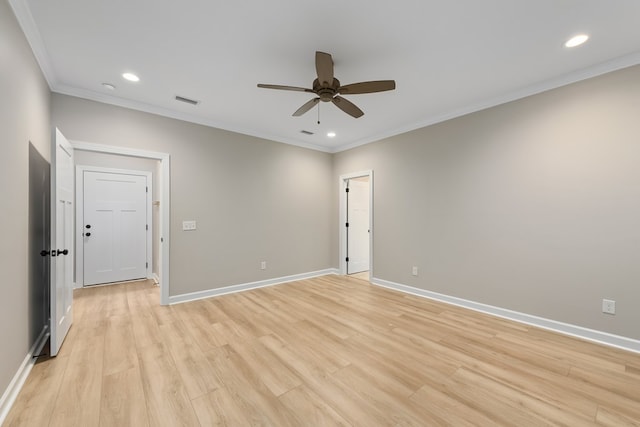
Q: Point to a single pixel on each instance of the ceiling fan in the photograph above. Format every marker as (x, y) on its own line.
(328, 89)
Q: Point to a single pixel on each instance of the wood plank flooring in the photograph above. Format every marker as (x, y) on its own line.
(330, 351)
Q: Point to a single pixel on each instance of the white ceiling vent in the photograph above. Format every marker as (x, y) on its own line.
(187, 100)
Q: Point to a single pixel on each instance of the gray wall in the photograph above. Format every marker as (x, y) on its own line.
(254, 200)
(532, 206)
(24, 118)
(115, 161)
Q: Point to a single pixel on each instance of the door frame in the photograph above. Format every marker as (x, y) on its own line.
(164, 184)
(79, 260)
(342, 185)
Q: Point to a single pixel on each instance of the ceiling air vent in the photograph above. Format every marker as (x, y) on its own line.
(306, 132)
(187, 100)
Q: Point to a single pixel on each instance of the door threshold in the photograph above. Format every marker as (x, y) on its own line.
(116, 283)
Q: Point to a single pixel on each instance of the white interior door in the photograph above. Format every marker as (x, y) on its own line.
(115, 227)
(62, 197)
(358, 230)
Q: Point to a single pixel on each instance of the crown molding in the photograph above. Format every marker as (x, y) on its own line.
(178, 115)
(544, 86)
(27, 23)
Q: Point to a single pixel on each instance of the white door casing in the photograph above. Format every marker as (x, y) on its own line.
(164, 184)
(358, 230)
(115, 226)
(62, 195)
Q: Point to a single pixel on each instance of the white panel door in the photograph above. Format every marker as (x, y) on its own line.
(358, 230)
(62, 196)
(115, 227)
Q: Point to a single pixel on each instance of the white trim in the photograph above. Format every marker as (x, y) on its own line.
(513, 95)
(587, 334)
(27, 23)
(11, 393)
(112, 149)
(164, 185)
(155, 278)
(342, 238)
(179, 115)
(80, 169)
(34, 38)
(193, 296)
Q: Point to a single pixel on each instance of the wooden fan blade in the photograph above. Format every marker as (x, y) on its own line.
(306, 107)
(297, 89)
(368, 87)
(324, 69)
(347, 106)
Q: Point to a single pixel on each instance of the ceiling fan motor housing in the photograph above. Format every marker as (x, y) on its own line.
(326, 93)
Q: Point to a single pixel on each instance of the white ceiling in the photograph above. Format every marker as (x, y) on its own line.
(448, 57)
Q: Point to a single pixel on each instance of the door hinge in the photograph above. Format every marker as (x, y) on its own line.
(346, 189)
(347, 259)
(146, 189)
(147, 227)
(346, 225)
(147, 265)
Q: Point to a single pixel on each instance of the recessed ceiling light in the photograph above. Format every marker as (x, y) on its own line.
(331, 134)
(108, 86)
(131, 77)
(576, 40)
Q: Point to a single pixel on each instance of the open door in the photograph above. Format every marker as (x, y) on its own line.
(62, 196)
(358, 228)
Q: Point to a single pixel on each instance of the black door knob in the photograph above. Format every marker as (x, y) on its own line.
(44, 252)
(87, 234)
(63, 252)
(88, 226)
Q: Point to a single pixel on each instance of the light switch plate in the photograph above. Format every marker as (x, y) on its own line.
(188, 225)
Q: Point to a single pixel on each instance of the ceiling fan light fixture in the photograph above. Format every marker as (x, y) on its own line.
(576, 40)
(331, 134)
(131, 77)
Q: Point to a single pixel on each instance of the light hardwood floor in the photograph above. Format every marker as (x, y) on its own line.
(362, 276)
(327, 351)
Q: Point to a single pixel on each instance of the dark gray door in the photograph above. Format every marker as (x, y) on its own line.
(39, 241)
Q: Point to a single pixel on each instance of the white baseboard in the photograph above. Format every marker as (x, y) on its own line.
(11, 393)
(177, 299)
(592, 335)
(155, 278)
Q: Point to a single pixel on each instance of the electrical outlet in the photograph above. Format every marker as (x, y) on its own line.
(608, 306)
(188, 225)
(414, 271)
(263, 265)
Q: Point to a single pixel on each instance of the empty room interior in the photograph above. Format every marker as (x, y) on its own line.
(280, 213)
